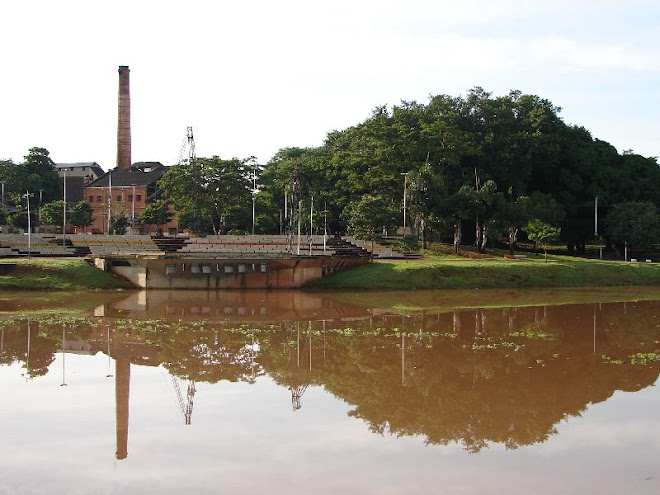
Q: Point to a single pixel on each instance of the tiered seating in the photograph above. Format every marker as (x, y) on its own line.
(246, 244)
(379, 250)
(267, 245)
(263, 244)
(35, 245)
(100, 244)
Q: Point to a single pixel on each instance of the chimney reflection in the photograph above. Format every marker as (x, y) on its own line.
(122, 394)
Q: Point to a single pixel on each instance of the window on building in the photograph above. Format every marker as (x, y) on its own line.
(91, 199)
(130, 197)
(138, 197)
(99, 199)
(118, 198)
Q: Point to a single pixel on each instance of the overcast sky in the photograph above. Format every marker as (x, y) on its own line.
(252, 77)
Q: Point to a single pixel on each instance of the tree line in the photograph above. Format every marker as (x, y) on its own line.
(474, 168)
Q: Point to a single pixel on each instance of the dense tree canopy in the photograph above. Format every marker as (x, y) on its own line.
(36, 174)
(634, 223)
(514, 152)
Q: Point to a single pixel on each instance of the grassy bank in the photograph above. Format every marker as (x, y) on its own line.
(56, 274)
(75, 274)
(487, 274)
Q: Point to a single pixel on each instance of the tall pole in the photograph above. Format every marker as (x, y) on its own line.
(405, 187)
(254, 196)
(41, 198)
(600, 245)
(311, 224)
(64, 208)
(596, 217)
(133, 213)
(109, 199)
(298, 213)
(28, 195)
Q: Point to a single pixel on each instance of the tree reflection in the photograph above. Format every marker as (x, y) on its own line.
(473, 377)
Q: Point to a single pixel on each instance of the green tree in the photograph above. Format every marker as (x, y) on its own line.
(483, 208)
(300, 174)
(427, 194)
(19, 219)
(195, 224)
(39, 173)
(211, 194)
(546, 208)
(634, 223)
(542, 233)
(511, 215)
(369, 216)
(52, 213)
(459, 208)
(157, 213)
(82, 215)
(118, 223)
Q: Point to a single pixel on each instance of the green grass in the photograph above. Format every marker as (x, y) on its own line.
(560, 271)
(38, 274)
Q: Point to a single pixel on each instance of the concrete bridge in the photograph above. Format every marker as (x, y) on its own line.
(210, 262)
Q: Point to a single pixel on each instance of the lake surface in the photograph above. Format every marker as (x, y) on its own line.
(512, 392)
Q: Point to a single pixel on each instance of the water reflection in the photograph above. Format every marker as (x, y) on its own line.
(475, 377)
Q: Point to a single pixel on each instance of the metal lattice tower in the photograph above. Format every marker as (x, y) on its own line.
(187, 150)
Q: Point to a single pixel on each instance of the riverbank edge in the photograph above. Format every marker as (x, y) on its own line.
(57, 274)
(385, 275)
(511, 274)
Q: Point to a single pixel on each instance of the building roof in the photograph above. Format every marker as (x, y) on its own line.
(140, 174)
(95, 167)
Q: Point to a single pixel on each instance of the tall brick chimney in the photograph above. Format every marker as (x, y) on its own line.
(124, 119)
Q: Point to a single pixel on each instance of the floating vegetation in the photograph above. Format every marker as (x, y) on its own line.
(640, 358)
(491, 346)
(644, 358)
(533, 333)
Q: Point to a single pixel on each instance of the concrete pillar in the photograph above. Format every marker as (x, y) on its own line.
(124, 120)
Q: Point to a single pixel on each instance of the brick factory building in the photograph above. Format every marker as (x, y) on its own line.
(126, 192)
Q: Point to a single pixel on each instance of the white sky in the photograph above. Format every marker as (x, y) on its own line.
(252, 77)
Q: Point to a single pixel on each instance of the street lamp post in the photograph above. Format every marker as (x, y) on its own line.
(254, 196)
(41, 197)
(64, 209)
(133, 212)
(109, 200)
(405, 187)
(27, 197)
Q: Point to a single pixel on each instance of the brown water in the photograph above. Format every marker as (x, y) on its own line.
(281, 392)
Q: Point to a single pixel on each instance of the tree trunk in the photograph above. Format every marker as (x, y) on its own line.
(513, 233)
(457, 235)
(477, 234)
(484, 239)
(422, 227)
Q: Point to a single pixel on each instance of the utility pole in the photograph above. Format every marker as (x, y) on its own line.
(600, 244)
(254, 194)
(27, 197)
(64, 208)
(405, 187)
